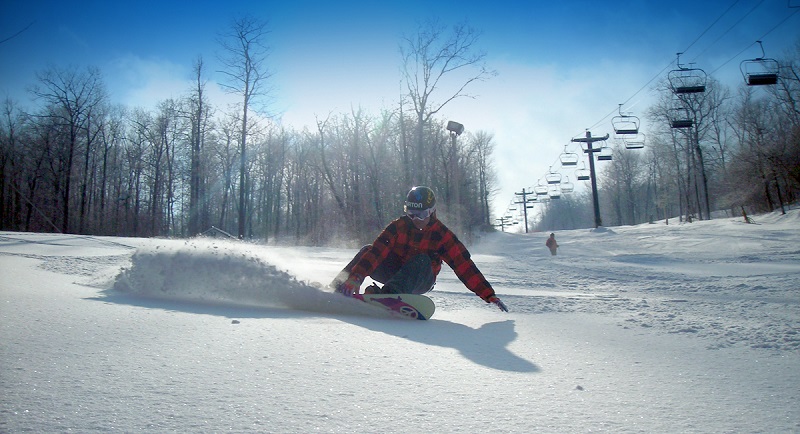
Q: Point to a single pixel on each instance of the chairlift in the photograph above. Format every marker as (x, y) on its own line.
(554, 192)
(687, 80)
(540, 190)
(566, 186)
(604, 154)
(679, 117)
(625, 124)
(583, 174)
(569, 158)
(553, 177)
(760, 71)
(636, 142)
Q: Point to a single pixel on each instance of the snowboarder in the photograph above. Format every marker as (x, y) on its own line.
(552, 244)
(407, 256)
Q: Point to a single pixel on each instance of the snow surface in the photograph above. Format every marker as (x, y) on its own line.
(650, 328)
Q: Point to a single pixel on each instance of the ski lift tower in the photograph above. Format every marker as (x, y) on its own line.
(525, 205)
(589, 140)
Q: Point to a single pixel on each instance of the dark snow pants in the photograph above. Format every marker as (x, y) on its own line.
(413, 277)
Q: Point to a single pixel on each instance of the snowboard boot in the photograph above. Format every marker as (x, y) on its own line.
(375, 289)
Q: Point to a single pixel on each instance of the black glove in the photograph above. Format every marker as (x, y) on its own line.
(498, 302)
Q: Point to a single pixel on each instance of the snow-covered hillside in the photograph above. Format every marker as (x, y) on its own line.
(650, 328)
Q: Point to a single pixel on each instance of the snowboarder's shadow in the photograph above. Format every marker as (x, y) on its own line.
(486, 345)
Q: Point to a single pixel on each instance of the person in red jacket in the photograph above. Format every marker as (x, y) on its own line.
(552, 244)
(407, 256)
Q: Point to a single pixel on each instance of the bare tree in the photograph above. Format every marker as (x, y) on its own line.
(483, 146)
(10, 128)
(111, 136)
(72, 95)
(244, 54)
(431, 56)
(198, 119)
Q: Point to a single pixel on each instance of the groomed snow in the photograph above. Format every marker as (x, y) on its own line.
(650, 328)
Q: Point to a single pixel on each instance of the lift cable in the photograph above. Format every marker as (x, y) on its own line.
(757, 41)
(714, 23)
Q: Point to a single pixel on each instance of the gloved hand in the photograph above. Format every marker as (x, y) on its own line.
(351, 285)
(498, 302)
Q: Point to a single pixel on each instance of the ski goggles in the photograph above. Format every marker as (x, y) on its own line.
(419, 214)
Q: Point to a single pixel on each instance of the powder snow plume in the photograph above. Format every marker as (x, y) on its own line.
(224, 273)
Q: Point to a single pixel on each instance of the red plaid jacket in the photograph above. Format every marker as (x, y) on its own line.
(436, 240)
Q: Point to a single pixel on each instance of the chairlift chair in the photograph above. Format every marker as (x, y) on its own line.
(605, 154)
(540, 190)
(553, 177)
(687, 80)
(625, 124)
(566, 186)
(679, 117)
(760, 71)
(636, 142)
(554, 192)
(569, 158)
(583, 174)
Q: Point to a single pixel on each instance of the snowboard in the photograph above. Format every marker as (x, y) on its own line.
(412, 306)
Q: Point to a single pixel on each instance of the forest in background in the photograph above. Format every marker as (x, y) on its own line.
(76, 163)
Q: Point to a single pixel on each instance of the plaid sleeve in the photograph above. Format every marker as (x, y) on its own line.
(458, 258)
(377, 252)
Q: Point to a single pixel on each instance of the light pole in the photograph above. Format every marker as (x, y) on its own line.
(455, 129)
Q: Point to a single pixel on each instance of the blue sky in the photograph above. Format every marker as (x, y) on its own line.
(562, 66)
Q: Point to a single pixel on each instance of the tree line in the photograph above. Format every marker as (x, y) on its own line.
(76, 163)
(740, 154)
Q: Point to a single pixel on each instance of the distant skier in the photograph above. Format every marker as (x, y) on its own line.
(552, 244)
(407, 256)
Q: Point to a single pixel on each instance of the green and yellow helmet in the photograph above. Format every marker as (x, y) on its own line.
(420, 198)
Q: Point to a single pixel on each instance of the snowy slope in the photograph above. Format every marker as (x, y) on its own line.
(650, 328)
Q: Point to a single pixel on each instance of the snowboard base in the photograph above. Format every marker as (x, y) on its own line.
(412, 306)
